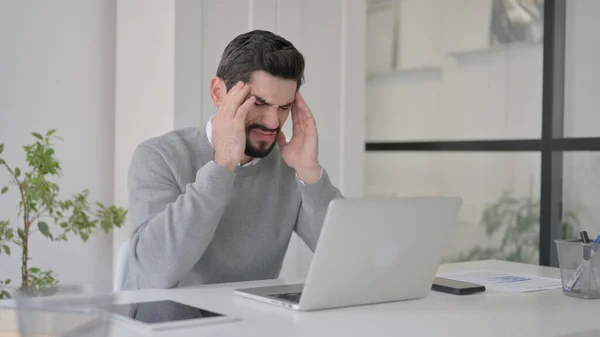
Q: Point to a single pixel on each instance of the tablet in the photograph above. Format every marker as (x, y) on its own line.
(165, 314)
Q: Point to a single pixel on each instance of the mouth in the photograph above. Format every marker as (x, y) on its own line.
(263, 135)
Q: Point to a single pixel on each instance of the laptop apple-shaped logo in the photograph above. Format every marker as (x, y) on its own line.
(387, 253)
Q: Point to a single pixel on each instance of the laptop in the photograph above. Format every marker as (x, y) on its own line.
(370, 251)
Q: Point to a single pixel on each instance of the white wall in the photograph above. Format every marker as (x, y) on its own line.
(188, 63)
(57, 71)
(191, 36)
(145, 85)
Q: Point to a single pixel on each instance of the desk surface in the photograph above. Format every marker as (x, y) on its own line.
(547, 313)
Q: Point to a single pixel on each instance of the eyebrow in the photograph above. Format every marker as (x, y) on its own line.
(264, 101)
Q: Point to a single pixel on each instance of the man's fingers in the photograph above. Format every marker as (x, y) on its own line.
(299, 121)
(297, 113)
(301, 103)
(302, 114)
(235, 88)
(242, 111)
(297, 126)
(240, 96)
(304, 108)
(281, 140)
(301, 110)
(234, 99)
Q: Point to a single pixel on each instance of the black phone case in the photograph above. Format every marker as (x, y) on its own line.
(457, 291)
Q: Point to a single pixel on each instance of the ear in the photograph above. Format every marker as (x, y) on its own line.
(218, 90)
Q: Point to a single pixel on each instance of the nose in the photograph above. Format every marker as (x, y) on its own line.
(270, 118)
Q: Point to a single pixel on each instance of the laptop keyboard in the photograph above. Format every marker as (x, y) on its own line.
(290, 297)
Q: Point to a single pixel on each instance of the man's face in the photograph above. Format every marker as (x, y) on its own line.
(274, 98)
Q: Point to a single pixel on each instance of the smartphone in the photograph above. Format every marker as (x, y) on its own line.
(456, 287)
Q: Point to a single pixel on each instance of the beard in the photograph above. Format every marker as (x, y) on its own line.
(263, 148)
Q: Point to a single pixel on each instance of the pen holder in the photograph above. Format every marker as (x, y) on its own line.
(579, 268)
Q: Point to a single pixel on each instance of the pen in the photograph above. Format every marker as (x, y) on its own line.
(597, 241)
(595, 271)
(586, 240)
(584, 237)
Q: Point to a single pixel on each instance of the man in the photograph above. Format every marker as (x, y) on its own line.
(219, 203)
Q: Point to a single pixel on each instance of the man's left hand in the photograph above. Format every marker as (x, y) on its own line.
(301, 152)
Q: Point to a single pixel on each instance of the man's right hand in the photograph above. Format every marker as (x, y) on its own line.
(229, 126)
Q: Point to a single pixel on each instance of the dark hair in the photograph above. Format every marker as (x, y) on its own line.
(260, 50)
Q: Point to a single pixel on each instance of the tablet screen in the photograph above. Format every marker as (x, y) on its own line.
(160, 311)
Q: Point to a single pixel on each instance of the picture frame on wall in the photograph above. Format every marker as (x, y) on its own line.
(517, 21)
(482, 25)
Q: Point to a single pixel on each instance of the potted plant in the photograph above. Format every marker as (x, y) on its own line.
(515, 222)
(41, 212)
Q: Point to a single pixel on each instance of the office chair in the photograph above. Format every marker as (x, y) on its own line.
(121, 270)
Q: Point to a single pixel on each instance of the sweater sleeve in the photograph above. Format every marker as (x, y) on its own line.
(315, 200)
(171, 229)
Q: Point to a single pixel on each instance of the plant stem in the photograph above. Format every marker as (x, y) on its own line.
(25, 247)
(26, 224)
(12, 174)
(37, 216)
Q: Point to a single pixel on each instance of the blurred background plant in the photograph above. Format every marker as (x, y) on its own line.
(42, 212)
(516, 221)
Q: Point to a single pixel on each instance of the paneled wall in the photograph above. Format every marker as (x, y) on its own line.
(330, 34)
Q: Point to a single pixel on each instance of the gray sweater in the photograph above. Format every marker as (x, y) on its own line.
(194, 222)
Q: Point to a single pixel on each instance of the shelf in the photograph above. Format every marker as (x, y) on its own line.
(420, 71)
(495, 48)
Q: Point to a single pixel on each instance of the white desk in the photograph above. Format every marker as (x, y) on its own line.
(548, 313)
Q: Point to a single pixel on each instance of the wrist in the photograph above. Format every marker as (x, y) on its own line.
(309, 174)
(226, 163)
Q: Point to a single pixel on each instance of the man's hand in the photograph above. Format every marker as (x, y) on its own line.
(301, 153)
(229, 126)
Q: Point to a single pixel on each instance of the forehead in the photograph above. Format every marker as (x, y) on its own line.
(274, 90)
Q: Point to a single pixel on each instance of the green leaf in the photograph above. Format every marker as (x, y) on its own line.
(37, 135)
(84, 236)
(21, 234)
(44, 229)
(17, 172)
(4, 295)
(1, 148)
(34, 270)
(6, 249)
(4, 189)
(9, 234)
(50, 133)
(7, 282)
(2, 162)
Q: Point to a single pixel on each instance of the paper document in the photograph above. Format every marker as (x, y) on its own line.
(503, 281)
